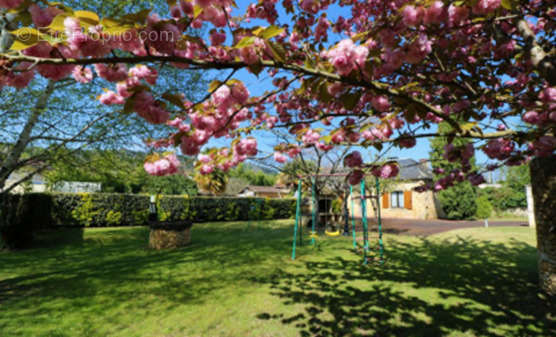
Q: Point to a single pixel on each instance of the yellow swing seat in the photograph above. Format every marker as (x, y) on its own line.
(336, 233)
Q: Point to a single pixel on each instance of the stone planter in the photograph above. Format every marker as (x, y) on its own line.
(169, 234)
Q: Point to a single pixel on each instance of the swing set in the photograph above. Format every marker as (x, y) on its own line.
(314, 236)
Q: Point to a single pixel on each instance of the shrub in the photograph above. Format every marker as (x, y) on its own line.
(22, 216)
(25, 212)
(484, 207)
(458, 202)
(504, 198)
(113, 218)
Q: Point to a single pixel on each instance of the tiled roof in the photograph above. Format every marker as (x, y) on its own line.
(413, 170)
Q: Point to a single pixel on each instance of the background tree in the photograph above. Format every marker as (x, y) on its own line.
(253, 175)
(56, 118)
(214, 183)
(511, 195)
(118, 171)
(459, 201)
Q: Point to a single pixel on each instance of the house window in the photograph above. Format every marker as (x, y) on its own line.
(396, 199)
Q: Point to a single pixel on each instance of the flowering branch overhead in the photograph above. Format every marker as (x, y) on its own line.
(371, 77)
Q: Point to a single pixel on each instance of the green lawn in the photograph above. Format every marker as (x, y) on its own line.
(236, 282)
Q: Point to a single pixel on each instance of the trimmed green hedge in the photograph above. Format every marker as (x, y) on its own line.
(22, 215)
(104, 209)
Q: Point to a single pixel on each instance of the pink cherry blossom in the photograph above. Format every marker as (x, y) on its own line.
(476, 179)
(548, 95)
(111, 73)
(279, 157)
(355, 177)
(217, 37)
(310, 137)
(353, 159)
(82, 74)
(206, 169)
(247, 146)
(457, 14)
(222, 97)
(203, 158)
(110, 97)
(486, 6)
(499, 148)
(407, 141)
(386, 171)
(381, 103)
(10, 3)
(293, 152)
(150, 75)
(531, 117)
(163, 166)
(43, 17)
(346, 57)
(434, 13)
(21, 79)
(410, 15)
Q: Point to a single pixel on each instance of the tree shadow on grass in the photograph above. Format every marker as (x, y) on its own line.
(117, 266)
(425, 288)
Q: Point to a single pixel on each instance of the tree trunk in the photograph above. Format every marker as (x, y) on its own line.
(543, 181)
(10, 163)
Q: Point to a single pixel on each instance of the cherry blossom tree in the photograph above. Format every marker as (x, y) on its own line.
(344, 72)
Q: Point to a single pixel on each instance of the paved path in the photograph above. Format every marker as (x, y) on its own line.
(429, 227)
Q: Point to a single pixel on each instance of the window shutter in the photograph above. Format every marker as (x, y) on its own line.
(407, 200)
(386, 200)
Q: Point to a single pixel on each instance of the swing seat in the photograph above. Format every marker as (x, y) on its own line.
(336, 233)
(314, 235)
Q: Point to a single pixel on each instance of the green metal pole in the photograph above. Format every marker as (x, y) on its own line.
(365, 225)
(315, 208)
(300, 225)
(380, 243)
(297, 211)
(352, 217)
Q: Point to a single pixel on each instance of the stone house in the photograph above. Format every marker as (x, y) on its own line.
(401, 201)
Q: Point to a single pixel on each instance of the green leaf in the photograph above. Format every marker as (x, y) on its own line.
(277, 50)
(468, 126)
(256, 68)
(136, 18)
(270, 32)
(175, 99)
(323, 93)
(197, 10)
(113, 27)
(128, 106)
(87, 17)
(25, 37)
(507, 4)
(57, 23)
(258, 31)
(214, 85)
(246, 42)
(349, 100)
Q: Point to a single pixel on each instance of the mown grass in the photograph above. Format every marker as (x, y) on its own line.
(239, 281)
